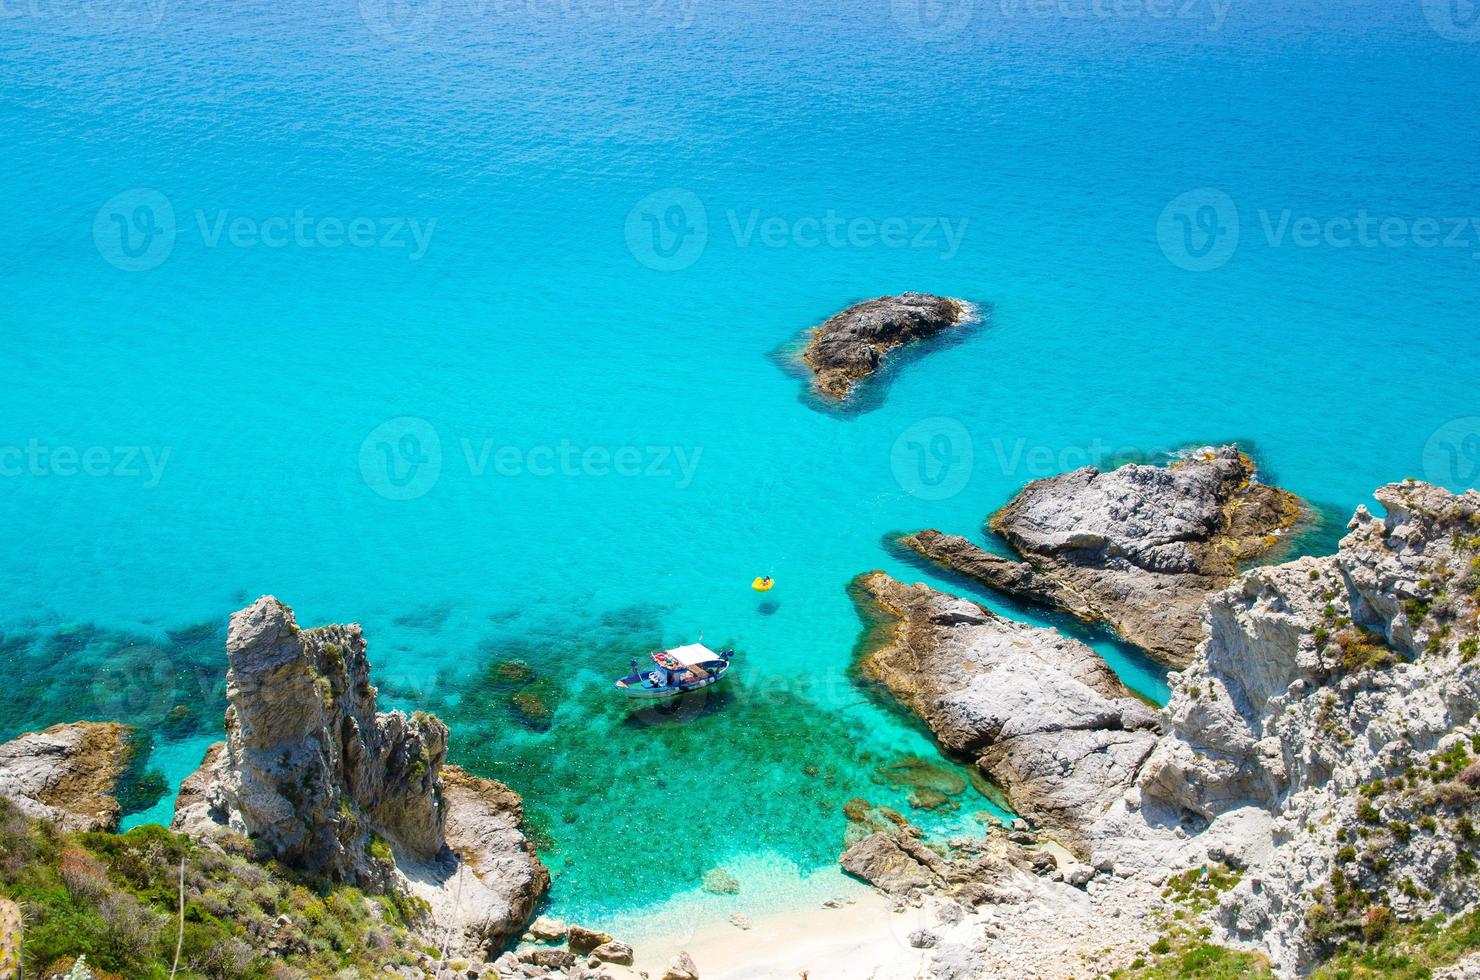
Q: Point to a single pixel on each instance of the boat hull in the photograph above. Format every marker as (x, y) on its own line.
(639, 689)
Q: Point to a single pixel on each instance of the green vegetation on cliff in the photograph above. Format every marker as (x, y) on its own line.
(1384, 948)
(114, 898)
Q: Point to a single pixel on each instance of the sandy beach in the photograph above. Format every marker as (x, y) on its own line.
(860, 939)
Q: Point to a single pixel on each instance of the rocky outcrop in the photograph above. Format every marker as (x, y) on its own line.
(321, 780)
(894, 862)
(67, 774)
(1040, 713)
(1138, 548)
(1326, 727)
(851, 345)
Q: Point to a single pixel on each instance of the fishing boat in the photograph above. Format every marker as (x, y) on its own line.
(677, 671)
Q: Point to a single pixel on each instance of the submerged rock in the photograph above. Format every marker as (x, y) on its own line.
(68, 774)
(920, 774)
(1041, 714)
(851, 345)
(1139, 547)
(322, 781)
(863, 819)
(718, 881)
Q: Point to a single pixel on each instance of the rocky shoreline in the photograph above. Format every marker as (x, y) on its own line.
(1310, 790)
(1319, 753)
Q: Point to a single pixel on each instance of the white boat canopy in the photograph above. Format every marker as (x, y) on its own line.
(693, 654)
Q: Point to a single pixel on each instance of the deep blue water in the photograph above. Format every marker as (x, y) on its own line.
(464, 321)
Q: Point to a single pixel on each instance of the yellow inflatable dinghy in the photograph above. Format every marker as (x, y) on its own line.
(763, 584)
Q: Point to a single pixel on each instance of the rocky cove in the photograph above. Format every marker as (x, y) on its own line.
(1307, 795)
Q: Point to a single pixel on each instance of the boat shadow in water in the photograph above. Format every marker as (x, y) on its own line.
(679, 710)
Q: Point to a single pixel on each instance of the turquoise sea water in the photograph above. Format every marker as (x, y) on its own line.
(466, 321)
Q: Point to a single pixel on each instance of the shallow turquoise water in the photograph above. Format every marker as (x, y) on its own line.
(593, 445)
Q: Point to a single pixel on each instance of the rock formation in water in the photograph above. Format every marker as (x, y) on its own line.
(852, 344)
(1040, 713)
(321, 780)
(67, 774)
(1139, 547)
